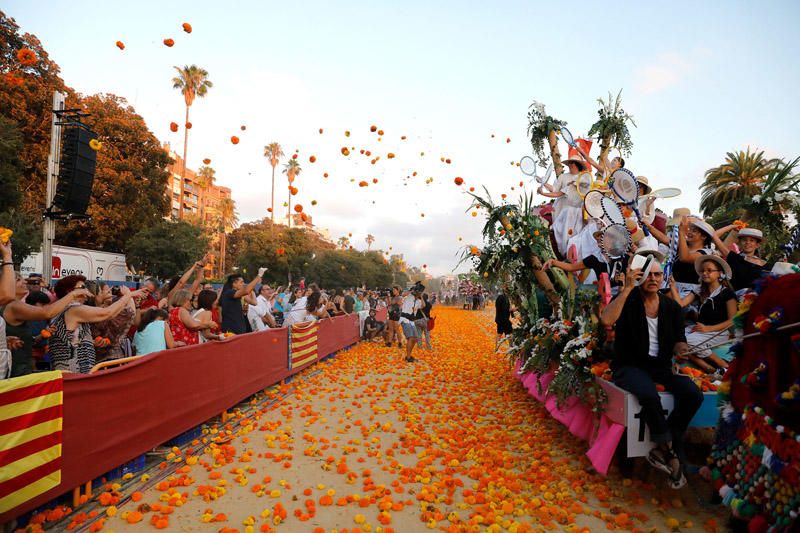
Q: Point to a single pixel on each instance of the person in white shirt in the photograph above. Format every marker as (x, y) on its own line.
(408, 309)
(568, 207)
(260, 315)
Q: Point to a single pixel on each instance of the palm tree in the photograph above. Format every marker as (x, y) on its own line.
(204, 181)
(292, 170)
(370, 239)
(228, 218)
(193, 82)
(273, 152)
(741, 176)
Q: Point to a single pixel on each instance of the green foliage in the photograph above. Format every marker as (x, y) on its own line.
(27, 238)
(612, 126)
(166, 249)
(10, 164)
(540, 124)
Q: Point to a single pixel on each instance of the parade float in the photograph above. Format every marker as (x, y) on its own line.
(560, 352)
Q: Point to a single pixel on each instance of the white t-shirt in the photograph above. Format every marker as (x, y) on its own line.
(652, 334)
(254, 314)
(408, 305)
(298, 312)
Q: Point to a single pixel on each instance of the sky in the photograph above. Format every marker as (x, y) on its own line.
(700, 79)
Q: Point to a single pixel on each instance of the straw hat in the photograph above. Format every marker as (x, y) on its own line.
(751, 232)
(721, 263)
(641, 180)
(647, 250)
(677, 215)
(578, 161)
(702, 225)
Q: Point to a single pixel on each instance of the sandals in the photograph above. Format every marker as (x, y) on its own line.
(410, 359)
(661, 460)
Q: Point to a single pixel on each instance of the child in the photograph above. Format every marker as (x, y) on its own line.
(717, 306)
(153, 333)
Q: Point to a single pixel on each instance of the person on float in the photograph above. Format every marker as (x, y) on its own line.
(717, 307)
(646, 204)
(599, 263)
(745, 265)
(695, 236)
(649, 332)
(568, 207)
(605, 166)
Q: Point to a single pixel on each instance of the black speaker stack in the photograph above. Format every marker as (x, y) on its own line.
(76, 171)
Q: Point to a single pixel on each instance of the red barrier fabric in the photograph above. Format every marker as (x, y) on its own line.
(382, 314)
(334, 334)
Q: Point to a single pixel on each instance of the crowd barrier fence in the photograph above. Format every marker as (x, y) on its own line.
(113, 416)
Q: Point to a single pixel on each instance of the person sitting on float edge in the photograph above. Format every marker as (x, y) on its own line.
(649, 331)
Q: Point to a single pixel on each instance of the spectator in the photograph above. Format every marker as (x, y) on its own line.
(206, 305)
(297, 311)
(411, 334)
(393, 325)
(36, 327)
(72, 344)
(233, 319)
(338, 303)
(716, 310)
(649, 331)
(35, 283)
(349, 302)
(17, 313)
(113, 331)
(153, 334)
(314, 306)
(372, 326)
(260, 315)
(422, 316)
(184, 328)
(502, 317)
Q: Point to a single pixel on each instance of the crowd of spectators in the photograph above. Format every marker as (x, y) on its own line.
(78, 322)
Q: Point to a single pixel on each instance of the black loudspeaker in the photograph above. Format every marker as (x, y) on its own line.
(76, 171)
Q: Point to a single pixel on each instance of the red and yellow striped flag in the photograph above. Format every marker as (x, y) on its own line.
(304, 344)
(30, 437)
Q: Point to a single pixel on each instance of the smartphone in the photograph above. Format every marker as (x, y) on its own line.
(638, 261)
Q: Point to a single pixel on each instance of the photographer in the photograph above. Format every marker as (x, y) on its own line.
(372, 326)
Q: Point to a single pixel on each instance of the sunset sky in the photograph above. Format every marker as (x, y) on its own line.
(700, 79)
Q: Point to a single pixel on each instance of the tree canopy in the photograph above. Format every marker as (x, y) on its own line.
(166, 248)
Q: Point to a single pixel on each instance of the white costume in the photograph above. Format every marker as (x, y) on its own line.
(567, 211)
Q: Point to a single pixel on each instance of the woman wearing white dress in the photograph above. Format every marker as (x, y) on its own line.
(568, 207)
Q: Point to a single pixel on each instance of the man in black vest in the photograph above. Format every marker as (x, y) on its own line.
(649, 331)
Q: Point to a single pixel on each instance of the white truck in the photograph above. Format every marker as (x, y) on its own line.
(92, 264)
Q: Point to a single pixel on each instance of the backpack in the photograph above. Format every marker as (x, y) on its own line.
(394, 312)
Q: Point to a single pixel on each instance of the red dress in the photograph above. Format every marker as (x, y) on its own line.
(179, 331)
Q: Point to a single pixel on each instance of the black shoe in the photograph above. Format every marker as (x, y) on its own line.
(410, 359)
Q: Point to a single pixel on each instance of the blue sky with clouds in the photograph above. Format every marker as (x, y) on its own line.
(700, 78)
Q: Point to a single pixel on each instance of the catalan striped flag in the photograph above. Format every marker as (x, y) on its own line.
(304, 344)
(30, 437)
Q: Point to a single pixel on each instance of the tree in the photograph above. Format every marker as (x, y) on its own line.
(10, 164)
(166, 249)
(228, 219)
(370, 239)
(27, 238)
(128, 193)
(273, 152)
(193, 82)
(612, 126)
(292, 170)
(740, 177)
(204, 181)
(344, 242)
(26, 98)
(542, 127)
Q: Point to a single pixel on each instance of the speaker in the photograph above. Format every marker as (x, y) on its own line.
(76, 171)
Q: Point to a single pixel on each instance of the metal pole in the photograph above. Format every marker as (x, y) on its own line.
(53, 161)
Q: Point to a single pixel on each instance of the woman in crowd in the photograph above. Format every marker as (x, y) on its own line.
(233, 319)
(717, 307)
(568, 207)
(358, 304)
(111, 331)
(17, 314)
(315, 309)
(260, 315)
(153, 333)
(72, 344)
(206, 305)
(297, 309)
(746, 265)
(422, 316)
(184, 328)
(338, 302)
(694, 241)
